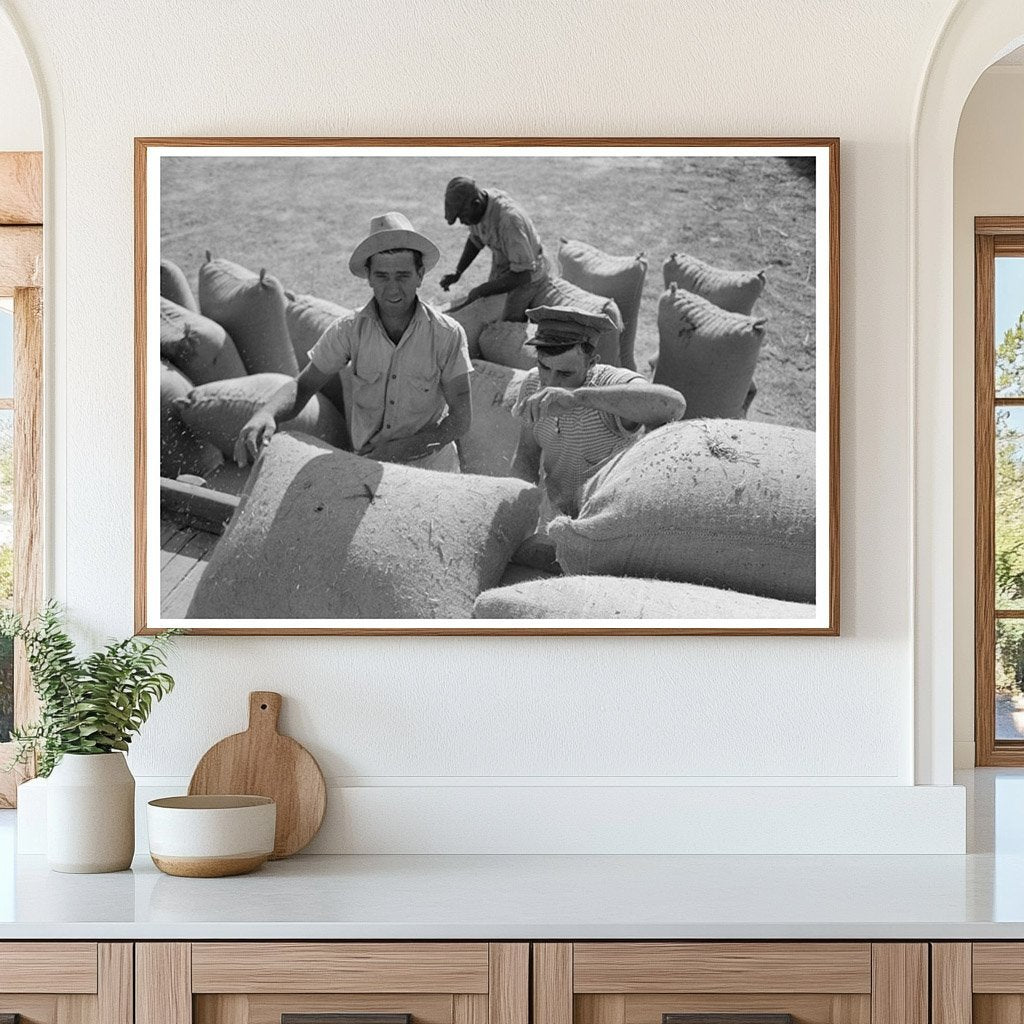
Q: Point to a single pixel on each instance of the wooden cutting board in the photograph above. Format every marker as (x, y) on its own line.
(262, 762)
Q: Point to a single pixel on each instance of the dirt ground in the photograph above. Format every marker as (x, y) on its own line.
(301, 218)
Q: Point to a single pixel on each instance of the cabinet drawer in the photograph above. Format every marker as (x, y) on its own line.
(66, 982)
(730, 983)
(332, 983)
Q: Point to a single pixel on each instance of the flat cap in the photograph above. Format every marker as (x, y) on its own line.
(564, 326)
(457, 193)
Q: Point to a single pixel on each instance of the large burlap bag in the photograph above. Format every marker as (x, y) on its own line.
(489, 446)
(504, 343)
(707, 354)
(723, 503)
(557, 291)
(617, 277)
(251, 308)
(217, 411)
(475, 317)
(180, 450)
(174, 286)
(197, 345)
(735, 291)
(330, 535)
(622, 598)
(308, 317)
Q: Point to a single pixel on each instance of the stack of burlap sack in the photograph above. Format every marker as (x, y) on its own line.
(709, 518)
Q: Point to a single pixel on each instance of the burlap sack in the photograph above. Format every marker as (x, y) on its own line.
(504, 343)
(308, 317)
(617, 277)
(735, 291)
(180, 450)
(475, 317)
(327, 534)
(217, 411)
(489, 446)
(197, 345)
(174, 286)
(623, 599)
(251, 308)
(707, 354)
(556, 291)
(723, 503)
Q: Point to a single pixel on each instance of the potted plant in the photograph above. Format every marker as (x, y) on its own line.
(89, 709)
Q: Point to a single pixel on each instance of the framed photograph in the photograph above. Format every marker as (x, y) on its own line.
(499, 386)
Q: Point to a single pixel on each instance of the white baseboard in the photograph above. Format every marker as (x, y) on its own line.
(525, 819)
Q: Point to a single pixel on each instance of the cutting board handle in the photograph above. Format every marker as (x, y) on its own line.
(264, 710)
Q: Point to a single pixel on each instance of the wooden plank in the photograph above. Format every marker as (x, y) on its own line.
(21, 188)
(552, 983)
(468, 1009)
(32, 1009)
(339, 967)
(999, 226)
(997, 1009)
(116, 998)
(28, 484)
(508, 994)
(998, 967)
(163, 983)
(21, 259)
(169, 550)
(900, 983)
(199, 506)
(629, 967)
(174, 605)
(605, 1009)
(76, 1009)
(268, 1008)
(951, 983)
(813, 1008)
(196, 549)
(65, 967)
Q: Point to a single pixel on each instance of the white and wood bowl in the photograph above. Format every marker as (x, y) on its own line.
(211, 836)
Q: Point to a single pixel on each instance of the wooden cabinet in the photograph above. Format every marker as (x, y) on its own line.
(66, 982)
(978, 982)
(653, 982)
(261, 982)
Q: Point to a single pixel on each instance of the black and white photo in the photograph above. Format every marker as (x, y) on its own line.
(471, 386)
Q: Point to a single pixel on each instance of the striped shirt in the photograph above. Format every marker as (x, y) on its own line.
(574, 445)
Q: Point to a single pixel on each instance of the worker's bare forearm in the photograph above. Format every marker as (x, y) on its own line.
(649, 404)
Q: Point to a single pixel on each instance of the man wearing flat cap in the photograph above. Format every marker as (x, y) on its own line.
(518, 264)
(578, 413)
(410, 363)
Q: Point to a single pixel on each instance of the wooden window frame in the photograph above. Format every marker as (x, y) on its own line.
(21, 278)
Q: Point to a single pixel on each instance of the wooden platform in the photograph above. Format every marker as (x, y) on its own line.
(184, 554)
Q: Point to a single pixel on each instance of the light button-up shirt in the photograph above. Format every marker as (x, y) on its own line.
(396, 389)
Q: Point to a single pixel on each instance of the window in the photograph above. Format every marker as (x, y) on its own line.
(999, 490)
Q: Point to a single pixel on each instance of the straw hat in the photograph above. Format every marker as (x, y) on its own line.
(392, 231)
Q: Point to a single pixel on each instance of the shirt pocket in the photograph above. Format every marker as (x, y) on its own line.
(425, 382)
(367, 385)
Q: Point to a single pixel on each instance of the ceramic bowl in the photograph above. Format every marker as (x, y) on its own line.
(211, 836)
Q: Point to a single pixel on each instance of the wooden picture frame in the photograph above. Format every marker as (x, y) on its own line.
(186, 202)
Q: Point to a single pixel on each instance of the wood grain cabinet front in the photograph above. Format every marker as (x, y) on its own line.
(730, 983)
(332, 983)
(66, 982)
(978, 982)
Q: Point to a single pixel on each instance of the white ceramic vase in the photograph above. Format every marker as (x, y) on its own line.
(90, 814)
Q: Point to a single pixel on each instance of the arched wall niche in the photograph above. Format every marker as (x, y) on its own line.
(976, 33)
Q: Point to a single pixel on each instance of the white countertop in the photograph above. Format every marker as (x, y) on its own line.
(976, 896)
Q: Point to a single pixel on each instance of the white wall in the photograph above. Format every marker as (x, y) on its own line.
(21, 127)
(454, 712)
(987, 182)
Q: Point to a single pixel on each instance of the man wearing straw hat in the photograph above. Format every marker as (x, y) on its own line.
(410, 363)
